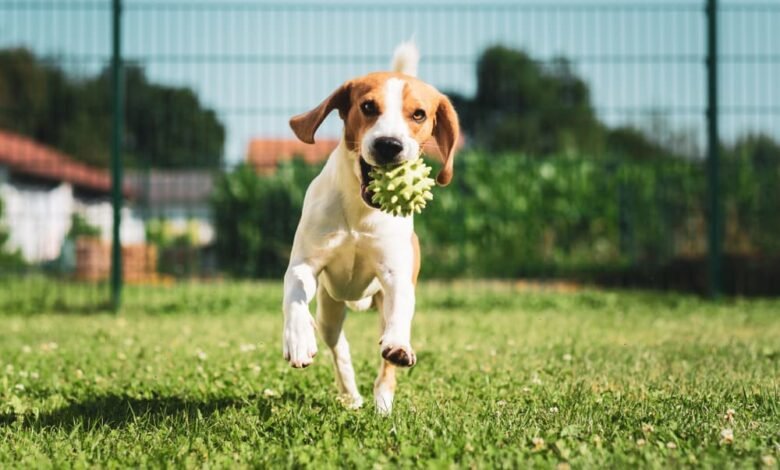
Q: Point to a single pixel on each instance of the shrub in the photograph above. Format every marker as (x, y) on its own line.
(256, 216)
(9, 259)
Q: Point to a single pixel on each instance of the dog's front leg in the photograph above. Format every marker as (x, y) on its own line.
(299, 343)
(398, 310)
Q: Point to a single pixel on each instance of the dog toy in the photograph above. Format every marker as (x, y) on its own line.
(402, 189)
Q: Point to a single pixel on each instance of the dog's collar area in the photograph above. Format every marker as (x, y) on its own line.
(365, 179)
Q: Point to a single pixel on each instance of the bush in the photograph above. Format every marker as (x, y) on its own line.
(510, 215)
(256, 216)
(9, 259)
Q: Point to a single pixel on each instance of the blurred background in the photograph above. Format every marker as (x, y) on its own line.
(589, 155)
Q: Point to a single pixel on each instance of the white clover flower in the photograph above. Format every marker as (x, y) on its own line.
(248, 347)
(554, 409)
(641, 442)
(671, 445)
(729, 416)
(19, 387)
(567, 357)
(768, 461)
(647, 428)
(26, 349)
(727, 436)
(268, 393)
(538, 443)
(202, 355)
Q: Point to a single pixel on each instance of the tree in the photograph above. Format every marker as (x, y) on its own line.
(521, 105)
(165, 127)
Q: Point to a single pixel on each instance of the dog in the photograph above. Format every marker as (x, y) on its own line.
(347, 252)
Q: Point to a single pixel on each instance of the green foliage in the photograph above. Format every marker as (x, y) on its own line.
(8, 258)
(162, 233)
(522, 105)
(512, 215)
(165, 127)
(192, 376)
(256, 216)
(752, 169)
(79, 227)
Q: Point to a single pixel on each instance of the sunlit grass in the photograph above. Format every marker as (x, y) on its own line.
(193, 375)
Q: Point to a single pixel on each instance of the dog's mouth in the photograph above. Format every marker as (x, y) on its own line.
(365, 180)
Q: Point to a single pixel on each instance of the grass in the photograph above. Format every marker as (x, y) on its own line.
(193, 376)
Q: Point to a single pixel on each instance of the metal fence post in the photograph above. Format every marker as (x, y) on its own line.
(713, 153)
(116, 152)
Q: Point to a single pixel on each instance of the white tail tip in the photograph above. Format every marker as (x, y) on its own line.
(405, 58)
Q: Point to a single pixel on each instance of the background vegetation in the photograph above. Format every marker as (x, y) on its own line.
(543, 188)
(165, 127)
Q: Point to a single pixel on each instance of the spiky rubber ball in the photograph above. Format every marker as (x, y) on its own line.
(402, 189)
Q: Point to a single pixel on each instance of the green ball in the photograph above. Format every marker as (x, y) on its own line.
(402, 189)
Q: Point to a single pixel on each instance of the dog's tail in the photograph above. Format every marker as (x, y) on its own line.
(406, 57)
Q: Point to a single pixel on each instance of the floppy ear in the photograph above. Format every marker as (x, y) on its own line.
(306, 124)
(446, 131)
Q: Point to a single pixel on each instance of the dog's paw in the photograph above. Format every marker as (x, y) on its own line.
(383, 401)
(398, 354)
(299, 343)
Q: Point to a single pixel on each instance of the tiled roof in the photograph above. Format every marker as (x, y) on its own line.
(264, 154)
(28, 157)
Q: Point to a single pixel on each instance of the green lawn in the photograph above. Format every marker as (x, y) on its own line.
(193, 375)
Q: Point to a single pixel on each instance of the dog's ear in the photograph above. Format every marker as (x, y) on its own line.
(446, 131)
(306, 124)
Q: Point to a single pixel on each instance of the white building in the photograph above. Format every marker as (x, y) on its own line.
(42, 189)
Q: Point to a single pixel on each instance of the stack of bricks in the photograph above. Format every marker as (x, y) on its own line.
(93, 261)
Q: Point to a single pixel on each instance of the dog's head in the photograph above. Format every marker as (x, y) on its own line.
(387, 116)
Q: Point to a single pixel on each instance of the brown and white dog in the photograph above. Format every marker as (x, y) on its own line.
(346, 251)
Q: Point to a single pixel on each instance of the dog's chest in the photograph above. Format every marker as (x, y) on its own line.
(350, 271)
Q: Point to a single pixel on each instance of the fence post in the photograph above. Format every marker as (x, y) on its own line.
(116, 152)
(713, 153)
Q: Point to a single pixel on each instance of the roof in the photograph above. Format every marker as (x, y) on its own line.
(28, 157)
(264, 154)
(172, 186)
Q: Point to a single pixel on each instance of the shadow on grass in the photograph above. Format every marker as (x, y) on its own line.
(117, 411)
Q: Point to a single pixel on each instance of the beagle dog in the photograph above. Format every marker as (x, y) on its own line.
(347, 252)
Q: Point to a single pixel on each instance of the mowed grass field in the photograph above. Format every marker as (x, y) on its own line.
(193, 376)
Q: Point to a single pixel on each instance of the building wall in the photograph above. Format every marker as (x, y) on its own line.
(39, 217)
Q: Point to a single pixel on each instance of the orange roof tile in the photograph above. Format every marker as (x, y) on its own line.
(26, 156)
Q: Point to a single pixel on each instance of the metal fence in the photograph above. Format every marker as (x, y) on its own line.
(239, 70)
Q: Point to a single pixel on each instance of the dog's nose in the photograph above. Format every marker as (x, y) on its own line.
(387, 148)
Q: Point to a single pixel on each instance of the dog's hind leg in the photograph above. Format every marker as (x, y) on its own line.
(384, 386)
(330, 320)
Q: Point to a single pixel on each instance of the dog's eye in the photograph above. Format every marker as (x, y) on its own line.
(418, 115)
(369, 108)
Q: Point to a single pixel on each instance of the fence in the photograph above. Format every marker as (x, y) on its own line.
(612, 162)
